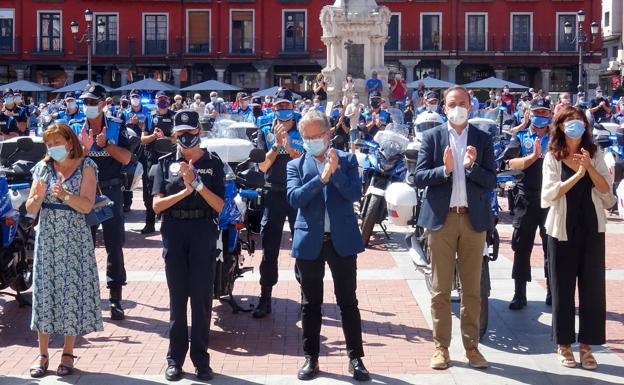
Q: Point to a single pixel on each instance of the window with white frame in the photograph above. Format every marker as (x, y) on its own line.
(476, 32)
(521, 32)
(242, 31)
(294, 31)
(155, 34)
(198, 33)
(430, 32)
(566, 42)
(49, 31)
(6, 30)
(106, 42)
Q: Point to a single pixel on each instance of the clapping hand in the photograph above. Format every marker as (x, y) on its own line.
(40, 189)
(87, 139)
(331, 166)
(537, 149)
(187, 171)
(470, 157)
(100, 140)
(584, 158)
(158, 132)
(448, 160)
(58, 191)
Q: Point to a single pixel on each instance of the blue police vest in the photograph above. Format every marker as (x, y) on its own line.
(383, 117)
(113, 127)
(296, 142)
(65, 117)
(143, 113)
(527, 139)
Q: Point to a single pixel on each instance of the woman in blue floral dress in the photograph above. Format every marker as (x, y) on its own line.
(66, 294)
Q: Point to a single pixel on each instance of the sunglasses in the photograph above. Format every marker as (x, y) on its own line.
(91, 102)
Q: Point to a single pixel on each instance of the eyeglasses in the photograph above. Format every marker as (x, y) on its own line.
(91, 102)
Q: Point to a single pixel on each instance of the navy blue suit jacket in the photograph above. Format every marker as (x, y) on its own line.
(310, 196)
(438, 188)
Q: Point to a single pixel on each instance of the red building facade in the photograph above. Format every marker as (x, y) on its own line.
(256, 44)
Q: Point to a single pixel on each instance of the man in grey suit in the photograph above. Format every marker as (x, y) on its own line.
(457, 170)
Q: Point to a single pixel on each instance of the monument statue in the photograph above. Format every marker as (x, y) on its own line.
(355, 33)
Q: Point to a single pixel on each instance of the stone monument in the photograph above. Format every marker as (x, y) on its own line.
(355, 33)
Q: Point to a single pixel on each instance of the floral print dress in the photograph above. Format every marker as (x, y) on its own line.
(66, 291)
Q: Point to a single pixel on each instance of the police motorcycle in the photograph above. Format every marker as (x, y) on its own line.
(609, 137)
(17, 157)
(404, 201)
(383, 164)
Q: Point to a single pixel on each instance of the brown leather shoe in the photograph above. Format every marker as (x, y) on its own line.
(440, 359)
(476, 359)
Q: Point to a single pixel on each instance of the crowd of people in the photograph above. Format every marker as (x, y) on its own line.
(316, 182)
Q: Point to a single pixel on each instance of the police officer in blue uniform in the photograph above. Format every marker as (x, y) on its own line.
(188, 194)
(244, 111)
(135, 118)
(375, 119)
(13, 107)
(106, 143)
(529, 215)
(282, 142)
(8, 126)
(432, 104)
(72, 113)
(260, 117)
(159, 125)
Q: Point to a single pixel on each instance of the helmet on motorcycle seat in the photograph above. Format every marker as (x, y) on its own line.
(427, 120)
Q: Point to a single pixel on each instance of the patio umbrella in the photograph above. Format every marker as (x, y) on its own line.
(430, 82)
(25, 85)
(211, 85)
(80, 86)
(272, 92)
(148, 84)
(493, 82)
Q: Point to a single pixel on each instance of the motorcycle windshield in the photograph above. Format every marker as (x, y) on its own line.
(230, 127)
(391, 141)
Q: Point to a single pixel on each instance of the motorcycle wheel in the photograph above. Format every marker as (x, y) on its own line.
(485, 294)
(494, 241)
(24, 266)
(371, 216)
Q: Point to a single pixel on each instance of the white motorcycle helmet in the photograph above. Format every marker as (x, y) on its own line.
(425, 121)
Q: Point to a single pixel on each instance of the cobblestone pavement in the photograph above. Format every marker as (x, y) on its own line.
(395, 314)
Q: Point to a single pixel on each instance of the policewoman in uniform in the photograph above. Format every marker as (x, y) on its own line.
(375, 119)
(529, 215)
(71, 113)
(134, 118)
(188, 194)
(282, 142)
(159, 125)
(8, 126)
(110, 152)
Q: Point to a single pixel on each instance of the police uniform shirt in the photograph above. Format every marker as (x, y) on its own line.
(162, 121)
(168, 180)
(66, 117)
(339, 131)
(600, 114)
(531, 184)
(276, 174)
(7, 124)
(384, 119)
(108, 167)
(127, 114)
(20, 114)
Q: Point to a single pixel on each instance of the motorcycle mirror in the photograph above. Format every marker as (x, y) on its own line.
(336, 140)
(163, 146)
(25, 144)
(512, 151)
(411, 154)
(257, 155)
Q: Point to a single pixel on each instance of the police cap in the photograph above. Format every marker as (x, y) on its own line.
(432, 95)
(135, 92)
(93, 91)
(185, 120)
(375, 94)
(284, 95)
(161, 94)
(540, 104)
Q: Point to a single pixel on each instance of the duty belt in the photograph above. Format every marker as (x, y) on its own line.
(187, 214)
(109, 183)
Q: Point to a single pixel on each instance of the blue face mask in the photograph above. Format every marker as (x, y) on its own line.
(314, 146)
(574, 129)
(284, 114)
(540, 121)
(58, 153)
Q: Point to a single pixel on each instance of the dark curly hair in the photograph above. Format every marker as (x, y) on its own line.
(557, 143)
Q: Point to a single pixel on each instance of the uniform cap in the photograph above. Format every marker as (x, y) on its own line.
(283, 95)
(432, 95)
(375, 94)
(93, 91)
(185, 120)
(540, 104)
(135, 92)
(160, 94)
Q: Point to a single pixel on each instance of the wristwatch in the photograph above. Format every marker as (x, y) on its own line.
(66, 197)
(275, 147)
(197, 184)
(110, 141)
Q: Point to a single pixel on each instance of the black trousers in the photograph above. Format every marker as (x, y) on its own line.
(114, 238)
(310, 276)
(148, 198)
(529, 217)
(189, 250)
(580, 258)
(276, 210)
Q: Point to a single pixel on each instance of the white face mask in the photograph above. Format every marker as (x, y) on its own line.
(18, 99)
(457, 115)
(135, 102)
(356, 101)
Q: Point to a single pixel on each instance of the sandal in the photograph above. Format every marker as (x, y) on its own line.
(64, 369)
(588, 362)
(566, 357)
(38, 371)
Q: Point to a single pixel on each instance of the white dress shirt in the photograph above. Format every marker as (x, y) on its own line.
(458, 145)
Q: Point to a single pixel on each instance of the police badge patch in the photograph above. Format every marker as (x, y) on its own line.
(528, 143)
(184, 118)
(174, 169)
(270, 137)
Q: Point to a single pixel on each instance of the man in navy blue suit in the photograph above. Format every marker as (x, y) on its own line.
(323, 184)
(456, 169)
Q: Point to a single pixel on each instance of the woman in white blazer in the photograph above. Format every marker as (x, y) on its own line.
(577, 187)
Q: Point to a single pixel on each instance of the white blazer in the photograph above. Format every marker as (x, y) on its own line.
(551, 183)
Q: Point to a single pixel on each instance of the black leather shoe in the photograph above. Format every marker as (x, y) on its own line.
(173, 373)
(117, 313)
(263, 308)
(517, 303)
(204, 374)
(148, 229)
(309, 369)
(358, 370)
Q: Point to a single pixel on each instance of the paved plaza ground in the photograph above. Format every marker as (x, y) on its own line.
(396, 322)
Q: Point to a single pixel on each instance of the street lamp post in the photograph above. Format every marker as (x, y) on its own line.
(87, 36)
(580, 39)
